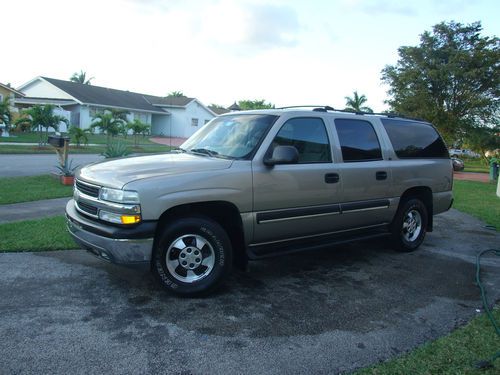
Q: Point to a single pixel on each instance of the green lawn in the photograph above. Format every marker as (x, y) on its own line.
(478, 199)
(32, 188)
(475, 165)
(453, 354)
(36, 235)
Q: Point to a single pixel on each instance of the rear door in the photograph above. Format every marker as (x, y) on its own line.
(365, 174)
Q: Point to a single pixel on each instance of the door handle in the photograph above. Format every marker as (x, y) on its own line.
(332, 178)
(381, 175)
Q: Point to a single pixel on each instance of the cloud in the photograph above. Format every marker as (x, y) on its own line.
(250, 27)
(375, 7)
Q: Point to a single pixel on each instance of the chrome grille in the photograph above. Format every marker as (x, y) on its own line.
(90, 190)
(87, 208)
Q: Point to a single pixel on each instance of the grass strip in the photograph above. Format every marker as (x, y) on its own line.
(32, 188)
(478, 199)
(36, 235)
(454, 354)
(24, 149)
(33, 137)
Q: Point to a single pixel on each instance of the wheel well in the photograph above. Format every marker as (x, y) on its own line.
(424, 193)
(224, 213)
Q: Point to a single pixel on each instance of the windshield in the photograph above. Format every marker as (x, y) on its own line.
(235, 136)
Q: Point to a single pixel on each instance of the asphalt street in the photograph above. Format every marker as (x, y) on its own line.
(321, 312)
(13, 165)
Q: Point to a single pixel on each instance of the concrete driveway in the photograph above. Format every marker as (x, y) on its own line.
(321, 312)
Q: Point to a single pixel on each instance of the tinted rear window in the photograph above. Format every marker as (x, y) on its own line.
(412, 139)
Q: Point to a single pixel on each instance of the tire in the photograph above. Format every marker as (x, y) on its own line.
(410, 225)
(193, 256)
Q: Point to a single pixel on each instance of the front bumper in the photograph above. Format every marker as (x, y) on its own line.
(127, 246)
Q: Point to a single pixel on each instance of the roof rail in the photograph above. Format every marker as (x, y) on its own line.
(326, 108)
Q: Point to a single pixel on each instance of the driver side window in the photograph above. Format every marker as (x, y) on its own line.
(308, 136)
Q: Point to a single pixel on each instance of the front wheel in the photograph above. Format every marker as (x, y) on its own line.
(410, 225)
(193, 256)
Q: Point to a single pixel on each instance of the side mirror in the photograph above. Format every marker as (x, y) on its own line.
(283, 155)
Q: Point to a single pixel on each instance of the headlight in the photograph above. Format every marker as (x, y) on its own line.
(119, 196)
(119, 218)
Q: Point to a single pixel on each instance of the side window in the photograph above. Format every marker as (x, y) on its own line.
(308, 136)
(412, 139)
(358, 140)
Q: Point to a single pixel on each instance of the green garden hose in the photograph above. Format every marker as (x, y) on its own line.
(489, 362)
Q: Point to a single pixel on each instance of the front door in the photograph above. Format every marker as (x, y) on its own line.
(302, 199)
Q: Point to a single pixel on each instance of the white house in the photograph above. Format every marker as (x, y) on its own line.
(168, 116)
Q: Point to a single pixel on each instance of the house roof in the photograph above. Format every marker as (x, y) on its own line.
(218, 110)
(7, 87)
(103, 96)
(234, 107)
(33, 100)
(173, 101)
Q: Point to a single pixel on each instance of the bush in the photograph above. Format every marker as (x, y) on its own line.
(116, 150)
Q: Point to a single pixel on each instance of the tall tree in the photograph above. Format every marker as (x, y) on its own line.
(356, 103)
(41, 116)
(452, 78)
(177, 94)
(254, 104)
(81, 78)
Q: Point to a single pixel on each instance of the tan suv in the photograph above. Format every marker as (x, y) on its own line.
(253, 184)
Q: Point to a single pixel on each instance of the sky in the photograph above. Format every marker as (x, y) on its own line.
(219, 51)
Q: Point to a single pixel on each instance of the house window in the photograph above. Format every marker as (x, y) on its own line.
(1, 98)
(93, 111)
(194, 122)
(142, 117)
(206, 122)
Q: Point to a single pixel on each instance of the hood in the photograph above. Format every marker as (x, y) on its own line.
(118, 172)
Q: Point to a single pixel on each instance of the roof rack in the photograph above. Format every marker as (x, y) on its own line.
(326, 108)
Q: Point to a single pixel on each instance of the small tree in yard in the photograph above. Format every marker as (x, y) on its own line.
(79, 135)
(41, 116)
(5, 114)
(254, 104)
(108, 124)
(483, 139)
(137, 127)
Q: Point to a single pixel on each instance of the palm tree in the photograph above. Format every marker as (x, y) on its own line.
(81, 78)
(177, 94)
(137, 128)
(107, 123)
(5, 114)
(79, 135)
(41, 116)
(355, 104)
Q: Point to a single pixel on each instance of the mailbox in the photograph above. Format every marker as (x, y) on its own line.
(57, 141)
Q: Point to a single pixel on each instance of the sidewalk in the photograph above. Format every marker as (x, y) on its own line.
(32, 210)
(175, 142)
(471, 176)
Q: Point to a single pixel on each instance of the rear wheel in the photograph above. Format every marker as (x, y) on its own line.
(193, 256)
(410, 225)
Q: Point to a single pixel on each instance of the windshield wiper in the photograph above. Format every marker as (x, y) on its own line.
(178, 150)
(204, 151)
